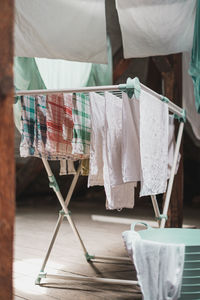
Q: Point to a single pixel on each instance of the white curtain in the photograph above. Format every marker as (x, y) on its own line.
(63, 29)
(63, 74)
(156, 27)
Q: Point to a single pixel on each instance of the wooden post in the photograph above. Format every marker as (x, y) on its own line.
(173, 90)
(120, 65)
(7, 170)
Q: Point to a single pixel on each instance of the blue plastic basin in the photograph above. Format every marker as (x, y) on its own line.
(191, 238)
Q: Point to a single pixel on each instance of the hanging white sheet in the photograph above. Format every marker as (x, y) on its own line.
(188, 97)
(72, 30)
(156, 27)
(154, 128)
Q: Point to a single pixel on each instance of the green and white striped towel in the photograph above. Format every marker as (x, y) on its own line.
(82, 124)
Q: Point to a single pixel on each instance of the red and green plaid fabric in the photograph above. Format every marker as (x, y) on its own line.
(82, 124)
(48, 127)
(59, 116)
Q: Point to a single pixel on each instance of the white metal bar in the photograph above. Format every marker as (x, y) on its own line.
(73, 185)
(93, 279)
(62, 202)
(78, 90)
(171, 180)
(118, 220)
(172, 107)
(113, 258)
(156, 208)
(57, 227)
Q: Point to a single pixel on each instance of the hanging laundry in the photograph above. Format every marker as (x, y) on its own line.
(119, 196)
(41, 126)
(194, 70)
(44, 124)
(188, 99)
(63, 167)
(70, 168)
(157, 27)
(68, 124)
(59, 125)
(85, 167)
(97, 107)
(82, 124)
(154, 127)
(67, 167)
(171, 147)
(130, 155)
(159, 266)
(113, 133)
(28, 126)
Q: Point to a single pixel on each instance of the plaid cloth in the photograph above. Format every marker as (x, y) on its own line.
(68, 124)
(41, 127)
(28, 126)
(59, 125)
(82, 124)
(47, 127)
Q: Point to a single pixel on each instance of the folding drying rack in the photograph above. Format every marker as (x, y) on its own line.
(161, 218)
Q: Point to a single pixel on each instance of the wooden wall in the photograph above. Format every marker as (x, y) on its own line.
(7, 170)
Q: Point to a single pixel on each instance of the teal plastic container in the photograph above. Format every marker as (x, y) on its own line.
(190, 289)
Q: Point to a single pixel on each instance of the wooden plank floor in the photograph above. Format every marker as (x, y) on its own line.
(33, 231)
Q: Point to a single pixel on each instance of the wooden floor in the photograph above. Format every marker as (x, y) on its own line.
(33, 231)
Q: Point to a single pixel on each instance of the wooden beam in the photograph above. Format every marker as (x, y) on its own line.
(7, 169)
(154, 80)
(163, 63)
(120, 65)
(173, 90)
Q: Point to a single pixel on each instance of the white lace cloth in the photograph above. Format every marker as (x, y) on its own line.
(154, 126)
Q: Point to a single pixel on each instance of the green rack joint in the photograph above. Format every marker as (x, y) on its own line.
(40, 276)
(165, 99)
(160, 217)
(132, 87)
(181, 118)
(62, 213)
(89, 257)
(53, 183)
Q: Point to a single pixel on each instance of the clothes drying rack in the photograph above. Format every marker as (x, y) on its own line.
(161, 218)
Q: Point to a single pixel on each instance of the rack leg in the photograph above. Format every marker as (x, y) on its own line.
(64, 213)
(156, 208)
(54, 185)
(171, 180)
(57, 227)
